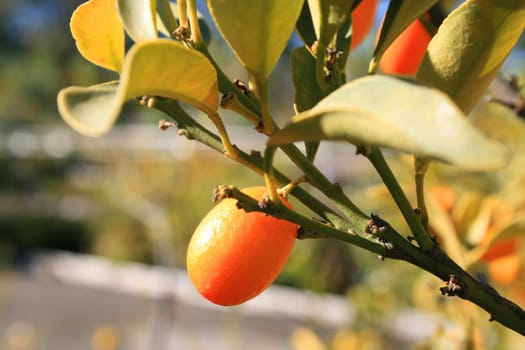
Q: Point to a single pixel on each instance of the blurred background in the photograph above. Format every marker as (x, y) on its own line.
(93, 232)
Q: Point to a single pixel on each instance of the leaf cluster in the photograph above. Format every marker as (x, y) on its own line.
(424, 116)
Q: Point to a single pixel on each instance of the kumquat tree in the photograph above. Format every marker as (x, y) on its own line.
(434, 94)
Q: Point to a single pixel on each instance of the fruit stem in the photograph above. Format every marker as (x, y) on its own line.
(231, 101)
(319, 180)
(284, 191)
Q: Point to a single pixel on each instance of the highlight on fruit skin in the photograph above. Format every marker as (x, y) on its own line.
(233, 256)
(405, 54)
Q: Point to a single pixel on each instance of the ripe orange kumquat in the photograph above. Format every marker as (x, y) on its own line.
(362, 21)
(233, 255)
(405, 54)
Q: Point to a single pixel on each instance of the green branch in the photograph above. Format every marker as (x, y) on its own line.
(421, 167)
(309, 228)
(459, 282)
(192, 130)
(413, 220)
(372, 234)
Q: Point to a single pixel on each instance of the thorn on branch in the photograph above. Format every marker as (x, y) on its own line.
(182, 33)
(362, 151)
(265, 202)
(255, 153)
(165, 124)
(376, 225)
(221, 192)
(332, 56)
(303, 232)
(227, 99)
(241, 85)
(388, 245)
(259, 128)
(452, 288)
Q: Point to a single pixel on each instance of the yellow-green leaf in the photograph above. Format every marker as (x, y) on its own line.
(256, 30)
(139, 18)
(159, 67)
(470, 47)
(389, 112)
(307, 92)
(98, 33)
(328, 16)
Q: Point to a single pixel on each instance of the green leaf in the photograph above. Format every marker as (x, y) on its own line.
(307, 91)
(166, 13)
(399, 15)
(328, 17)
(139, 18)
(154, 68)
(256, 30)
(388, 112)
(470, 47)
(98, 33)
(305, 27)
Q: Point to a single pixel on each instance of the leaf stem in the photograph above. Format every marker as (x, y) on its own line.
(192, 130)
(421, 167)
(261, 90)
(319, 180)
(183, 16)
(433, 260)
(231, 101)
(269, 177)
(196, 35)
(417, 228)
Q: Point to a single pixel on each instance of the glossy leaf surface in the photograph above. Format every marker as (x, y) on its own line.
(98, 33)
(470, 47)
(154, 68)
(256, 30)
(388, 112)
